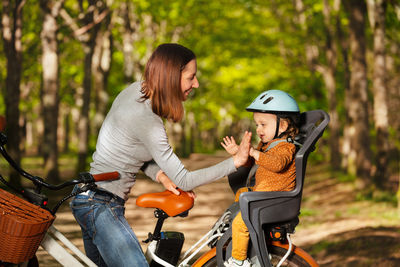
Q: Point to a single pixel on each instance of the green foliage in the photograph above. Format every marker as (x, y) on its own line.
(308, 212)
(354, 210)
(243, 47)
(376, 195)
(239, 51)
(322, 246)
(344, 177)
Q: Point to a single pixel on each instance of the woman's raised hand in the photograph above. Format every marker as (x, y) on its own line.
(242, 155)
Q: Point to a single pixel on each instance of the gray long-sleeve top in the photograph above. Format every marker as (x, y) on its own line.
(132, 137)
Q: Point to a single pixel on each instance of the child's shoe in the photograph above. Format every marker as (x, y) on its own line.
(232, 262)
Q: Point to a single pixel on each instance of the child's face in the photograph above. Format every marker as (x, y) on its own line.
(266, 126)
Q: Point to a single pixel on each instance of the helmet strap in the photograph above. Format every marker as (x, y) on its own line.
(278, 122)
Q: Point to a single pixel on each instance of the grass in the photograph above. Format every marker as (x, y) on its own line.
(307, 212)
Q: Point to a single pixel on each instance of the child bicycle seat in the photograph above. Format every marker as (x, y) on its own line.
(261, 210)
(171, 204)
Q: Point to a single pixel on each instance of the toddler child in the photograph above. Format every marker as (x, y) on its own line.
(276, 115)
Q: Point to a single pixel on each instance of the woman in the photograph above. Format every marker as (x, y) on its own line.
(133, 138)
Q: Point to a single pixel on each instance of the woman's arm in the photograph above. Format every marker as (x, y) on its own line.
(156, 141)
(151, 169)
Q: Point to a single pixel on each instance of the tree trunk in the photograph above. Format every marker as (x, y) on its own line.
(394, 102)
(93, 16)
(346, 149)
(50, 98)
(377, 10)
(12, 34)
(191, 134)
(328, 71)
(67, 127)
(328, 74)
(358, 94)
(83, 124)
(176, 131)
(128, 38)
(101, 69)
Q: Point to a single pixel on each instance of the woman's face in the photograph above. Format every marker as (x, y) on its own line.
(189, 79)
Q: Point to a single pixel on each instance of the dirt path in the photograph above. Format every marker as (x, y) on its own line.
(339, 230)
(334, 228)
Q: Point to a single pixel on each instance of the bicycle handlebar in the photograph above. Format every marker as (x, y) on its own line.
(35, 196)
(105, 176)
(84, 177)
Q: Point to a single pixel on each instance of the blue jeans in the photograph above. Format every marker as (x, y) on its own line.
(107, 236)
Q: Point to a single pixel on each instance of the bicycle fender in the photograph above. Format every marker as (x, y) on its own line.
(205, 257)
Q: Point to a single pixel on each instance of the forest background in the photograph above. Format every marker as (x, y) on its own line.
(62, 62)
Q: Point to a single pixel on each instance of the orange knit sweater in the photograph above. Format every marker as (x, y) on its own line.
(277, 169)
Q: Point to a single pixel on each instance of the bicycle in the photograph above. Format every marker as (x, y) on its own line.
(26, 223)
(271, 217)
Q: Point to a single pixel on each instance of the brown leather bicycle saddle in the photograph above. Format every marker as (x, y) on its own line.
(167, 201)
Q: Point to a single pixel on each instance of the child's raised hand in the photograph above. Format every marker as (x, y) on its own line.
(230, 145)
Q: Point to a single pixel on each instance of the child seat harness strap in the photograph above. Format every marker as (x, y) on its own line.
(255, 166)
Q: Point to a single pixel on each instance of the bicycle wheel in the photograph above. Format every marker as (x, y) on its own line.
(276, 253)
(211, 263)
(294, 260)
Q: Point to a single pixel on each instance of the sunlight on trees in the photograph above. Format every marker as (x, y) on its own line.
(307, 48)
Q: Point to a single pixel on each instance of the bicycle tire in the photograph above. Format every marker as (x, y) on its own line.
(211, 263)
(276, 253)
(294, 260)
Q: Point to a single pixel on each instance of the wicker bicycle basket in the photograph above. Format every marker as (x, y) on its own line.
(22, 227)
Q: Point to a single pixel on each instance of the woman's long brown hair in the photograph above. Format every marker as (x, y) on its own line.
(162, 80)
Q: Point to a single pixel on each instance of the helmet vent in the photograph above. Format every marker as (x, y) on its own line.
(268, 100)
(263, 96)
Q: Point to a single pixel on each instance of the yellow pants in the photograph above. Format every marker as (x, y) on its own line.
(240, 233)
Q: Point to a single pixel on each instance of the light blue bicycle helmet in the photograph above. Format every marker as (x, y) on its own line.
(276, 102)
